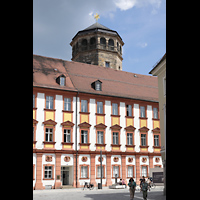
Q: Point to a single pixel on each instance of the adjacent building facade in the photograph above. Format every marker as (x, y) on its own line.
(80, 109)
(160, 71)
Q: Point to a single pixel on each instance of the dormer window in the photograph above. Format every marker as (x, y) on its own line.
(97, 85)
(61, 80)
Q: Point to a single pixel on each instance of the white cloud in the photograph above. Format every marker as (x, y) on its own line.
(142, 44)
(91, 13)
(128, 4)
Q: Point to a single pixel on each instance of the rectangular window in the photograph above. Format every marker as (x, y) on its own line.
(33, 101)
(48, 172)
(155, 113)
(49, 135)
(115, 137)
(143, 139)
(99, 171)
(49, 102)
(115, 171)
(84, 171)
(98, 86)
(67, 135)
(129, 138)
(130, 171)
(99, 107)
(84, 106)
(156, 140)
(142, 111)
(144, 171)
(84, 136)
(62, 81)
(107, 64)
(115, 109)
(128, 110)
(100, 137)
(67, 104)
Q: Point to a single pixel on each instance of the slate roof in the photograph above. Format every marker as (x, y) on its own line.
(96, 27)
(80, 76)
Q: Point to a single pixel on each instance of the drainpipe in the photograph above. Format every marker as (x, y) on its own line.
(76, 138)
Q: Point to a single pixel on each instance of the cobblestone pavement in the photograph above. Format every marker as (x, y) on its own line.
(104, 194)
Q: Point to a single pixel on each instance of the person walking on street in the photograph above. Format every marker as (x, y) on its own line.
(132, 186)
(145, 187)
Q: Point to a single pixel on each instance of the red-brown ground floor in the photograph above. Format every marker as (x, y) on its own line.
(56, 168)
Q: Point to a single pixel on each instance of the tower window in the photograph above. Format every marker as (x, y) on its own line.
(107, 64)
(111, 44)
(84, 44)
(92, 43)
(103, 43)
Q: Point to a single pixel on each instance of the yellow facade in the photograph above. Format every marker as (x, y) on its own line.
(84, 118)
(100, 119)
(49, 145)
(49, 115)
(67, 146)
(34, 114)
(143, 122)
(115, 120)
(67, 117)
(156, 124)
(129, 122)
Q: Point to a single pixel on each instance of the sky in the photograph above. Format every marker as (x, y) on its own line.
(140, 23)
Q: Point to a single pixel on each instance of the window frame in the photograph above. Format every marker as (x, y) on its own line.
(84, 135)
(67, 104)
(84, 104)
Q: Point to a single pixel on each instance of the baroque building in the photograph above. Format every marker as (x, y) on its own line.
(80, 109)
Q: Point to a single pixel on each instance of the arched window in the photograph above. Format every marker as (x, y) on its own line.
(103, 43)
(111, 44)
(120, 49)
(92, 43)
(84, 44)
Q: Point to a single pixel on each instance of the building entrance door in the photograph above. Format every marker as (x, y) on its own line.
(65, 175)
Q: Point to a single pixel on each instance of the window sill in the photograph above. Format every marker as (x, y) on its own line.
(66, 143)
(143, 118)
(127, 145)
(48, 142)
(115, 115)
(100, 114)
(47, 179)
(67, 111)
(84, 144)
(155, 119)
(143, 146)
(84, 113)
(46, 109)
(130, 117)
(115, 145)
(157, 147)
(100, 145)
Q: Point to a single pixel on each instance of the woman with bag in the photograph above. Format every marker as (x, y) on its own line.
(132, 186)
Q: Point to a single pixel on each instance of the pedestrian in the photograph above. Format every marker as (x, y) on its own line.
(123, 182)
(145, 187)
(132, 186)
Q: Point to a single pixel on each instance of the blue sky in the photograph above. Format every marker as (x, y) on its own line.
(140, 23)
